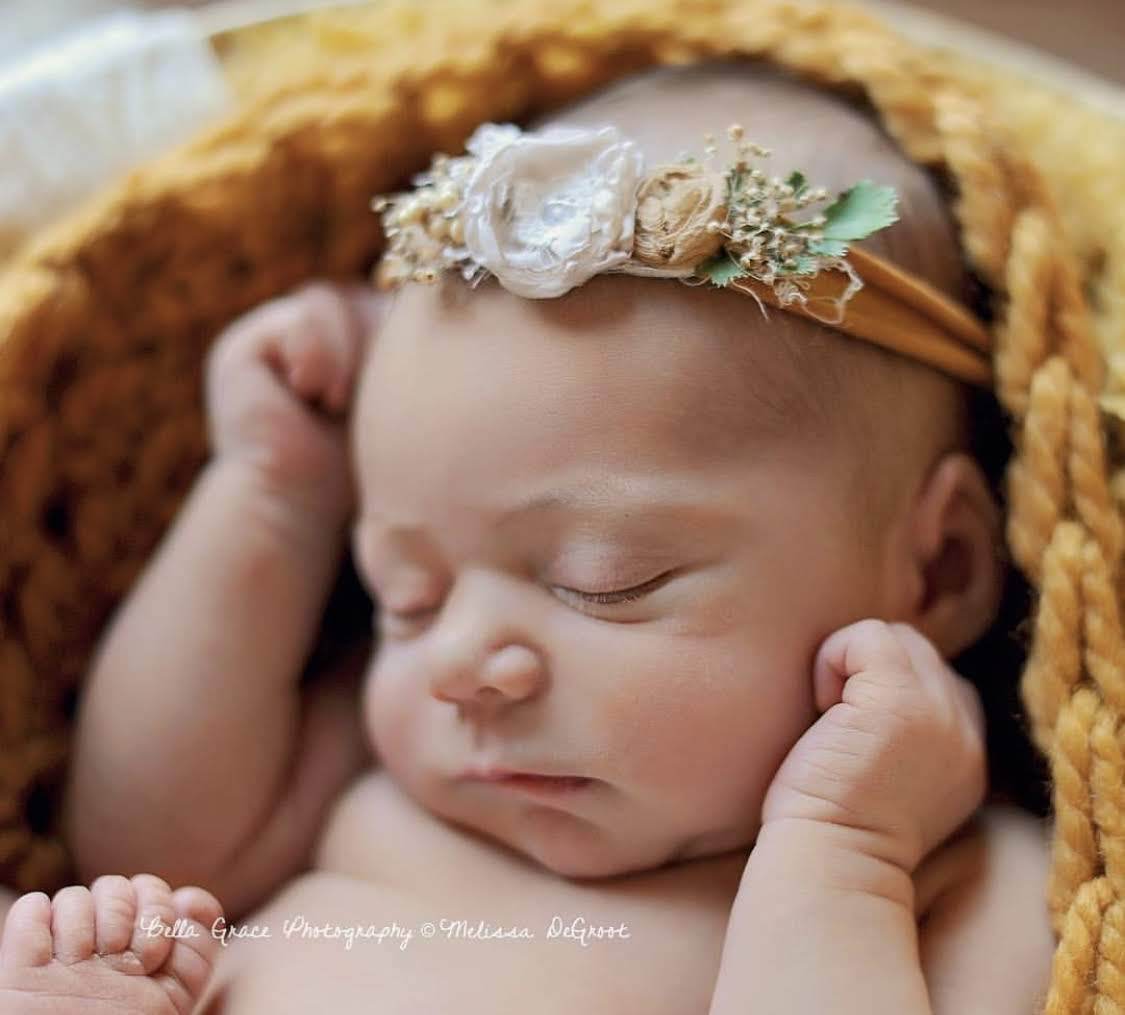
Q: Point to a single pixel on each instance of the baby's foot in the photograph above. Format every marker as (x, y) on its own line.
(120, 947)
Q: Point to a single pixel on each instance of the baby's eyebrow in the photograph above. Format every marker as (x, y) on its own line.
(561, 499)
(625, 501)
(617, 493)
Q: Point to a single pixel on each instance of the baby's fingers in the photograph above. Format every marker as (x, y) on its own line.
(319, 351)
(307, 342)
(957, 700)
(940, 678)
(865, 646)
(246, 352)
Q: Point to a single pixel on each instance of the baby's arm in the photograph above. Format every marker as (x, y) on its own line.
(812, 929)
(824, 919)
(192, 751)
(818, 924)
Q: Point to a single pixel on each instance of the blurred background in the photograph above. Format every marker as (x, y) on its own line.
(1090, 33)
(91, 88)
(83, 99)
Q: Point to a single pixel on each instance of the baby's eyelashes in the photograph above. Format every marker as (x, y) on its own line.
(624, 595)
(409, 608)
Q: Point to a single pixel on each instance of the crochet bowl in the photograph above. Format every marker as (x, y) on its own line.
(105, 320)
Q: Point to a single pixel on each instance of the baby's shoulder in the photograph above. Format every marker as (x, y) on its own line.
(998, 831)
(985, 936)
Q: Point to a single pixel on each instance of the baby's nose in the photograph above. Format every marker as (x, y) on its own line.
(506, 675)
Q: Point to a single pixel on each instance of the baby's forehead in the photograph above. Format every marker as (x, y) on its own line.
(702, 370)
(668, 111)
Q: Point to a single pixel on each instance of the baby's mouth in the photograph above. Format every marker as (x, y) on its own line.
(531, 781)
(543, 785)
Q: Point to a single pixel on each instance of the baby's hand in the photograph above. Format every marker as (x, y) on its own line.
(278, 386)
(898, 755)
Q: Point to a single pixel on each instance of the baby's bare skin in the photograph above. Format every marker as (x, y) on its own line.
(505, 643)
(404, 844)
(383, 861)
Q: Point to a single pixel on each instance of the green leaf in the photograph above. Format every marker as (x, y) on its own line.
(829, 248)
(798, 182)
(860, 211)
(721, 269)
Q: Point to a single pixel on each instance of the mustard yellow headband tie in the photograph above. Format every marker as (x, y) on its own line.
(545, 211)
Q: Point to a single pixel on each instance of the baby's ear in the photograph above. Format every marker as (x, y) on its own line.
(955, 555)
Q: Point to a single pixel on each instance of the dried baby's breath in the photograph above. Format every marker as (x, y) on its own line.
(765, 241)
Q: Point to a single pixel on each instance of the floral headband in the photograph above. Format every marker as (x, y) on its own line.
(545, 211)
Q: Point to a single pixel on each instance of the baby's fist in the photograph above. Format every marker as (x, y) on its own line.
(899, 753)
(279, 383)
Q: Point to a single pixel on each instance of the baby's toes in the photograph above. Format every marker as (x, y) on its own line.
(151, 939)
(72, 924)
(27, 937)
(115, 913)
(189, 965)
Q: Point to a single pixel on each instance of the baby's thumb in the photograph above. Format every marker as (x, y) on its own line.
(864, 645)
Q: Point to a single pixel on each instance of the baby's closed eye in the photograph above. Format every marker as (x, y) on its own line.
(622, 595)
(417, 611)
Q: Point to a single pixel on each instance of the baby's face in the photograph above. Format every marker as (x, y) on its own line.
(600, 554)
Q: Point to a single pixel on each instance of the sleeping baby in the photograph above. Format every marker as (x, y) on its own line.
(657, 714)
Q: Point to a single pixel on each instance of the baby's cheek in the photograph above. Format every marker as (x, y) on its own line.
(386, 713)
(707, 728)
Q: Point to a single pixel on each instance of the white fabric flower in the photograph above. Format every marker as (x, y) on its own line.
(489, 138)
(546, 211)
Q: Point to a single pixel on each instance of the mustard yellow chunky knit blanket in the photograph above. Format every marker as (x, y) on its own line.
(105, 320)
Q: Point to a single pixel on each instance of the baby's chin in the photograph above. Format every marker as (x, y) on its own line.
(580, 855)
(577, 850)
(565, 843)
